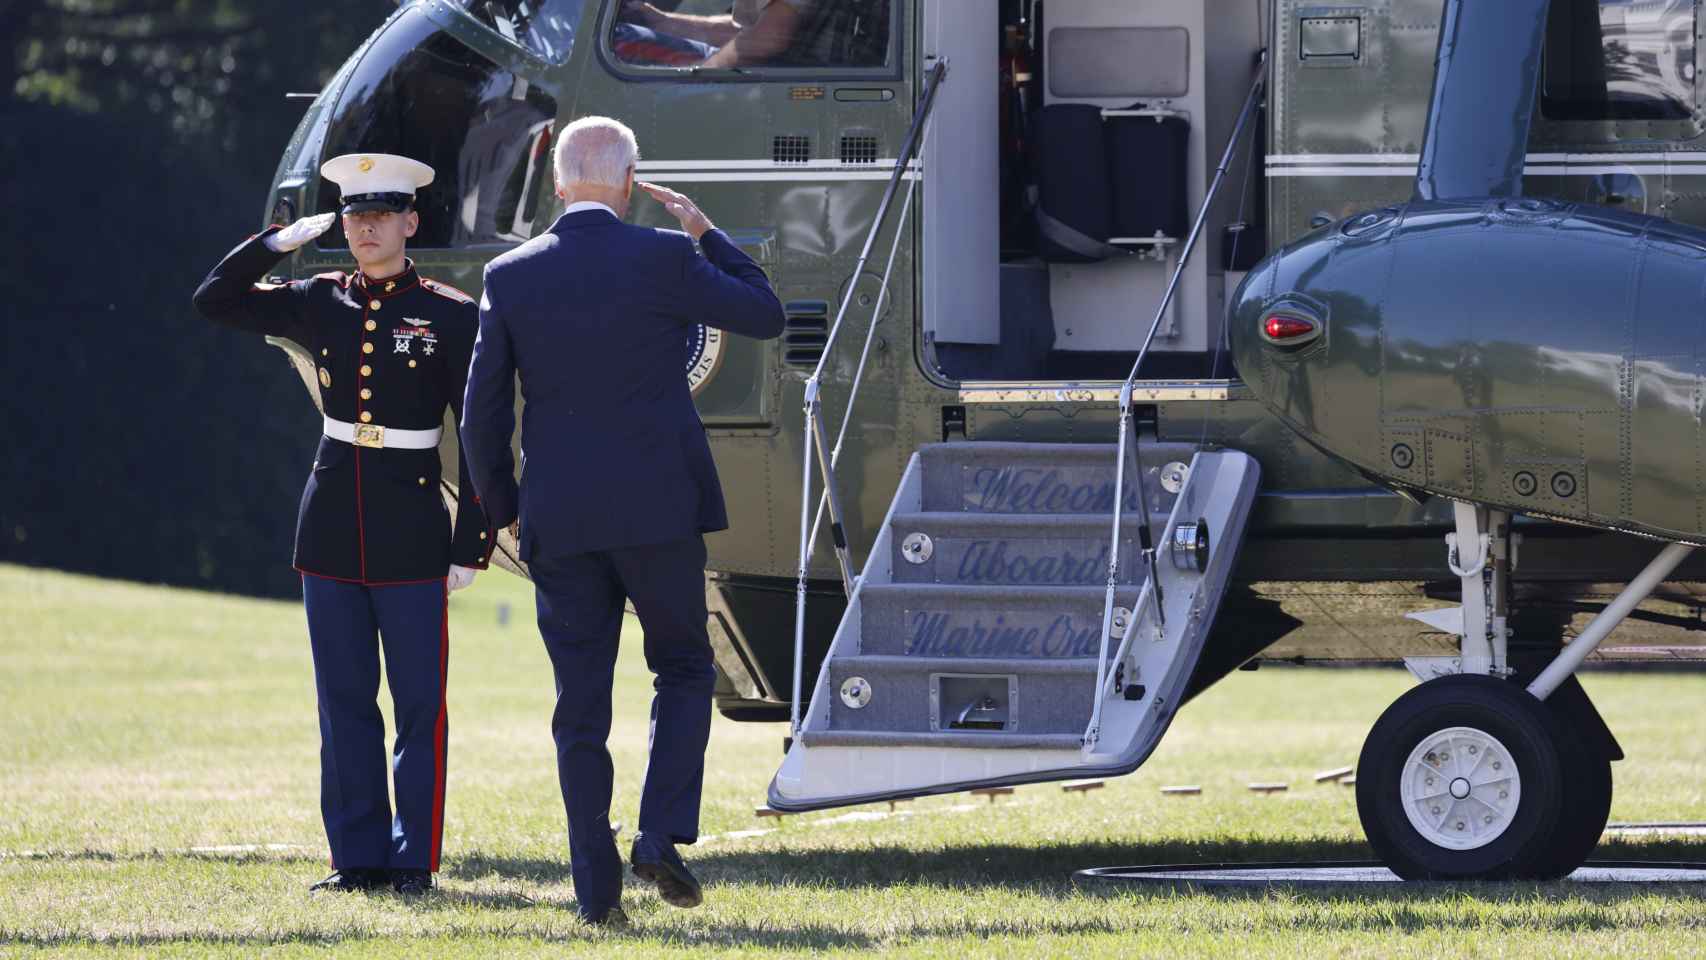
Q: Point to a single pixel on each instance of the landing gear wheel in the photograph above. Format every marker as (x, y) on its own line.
(1462, 778)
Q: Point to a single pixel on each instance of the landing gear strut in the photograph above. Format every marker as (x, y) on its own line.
(1482, 773)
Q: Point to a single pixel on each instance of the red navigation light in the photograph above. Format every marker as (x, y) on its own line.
(1288, 330)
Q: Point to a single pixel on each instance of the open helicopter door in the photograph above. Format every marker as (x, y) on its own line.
(971, 650)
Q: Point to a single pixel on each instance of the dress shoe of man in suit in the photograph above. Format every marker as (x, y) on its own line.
(353, 880)
(655, 861)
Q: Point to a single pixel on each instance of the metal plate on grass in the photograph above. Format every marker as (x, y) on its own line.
(1353, 872)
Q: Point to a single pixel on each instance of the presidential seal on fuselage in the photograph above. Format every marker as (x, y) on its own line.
(704, 355)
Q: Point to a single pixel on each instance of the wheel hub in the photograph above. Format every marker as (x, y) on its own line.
(1459, 788)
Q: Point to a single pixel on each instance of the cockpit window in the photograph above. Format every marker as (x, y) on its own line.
(421, 93)
(546, 27)
(1619, 60)
(753, 34)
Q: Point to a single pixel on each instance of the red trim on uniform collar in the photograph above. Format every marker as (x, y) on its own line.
(407, 280)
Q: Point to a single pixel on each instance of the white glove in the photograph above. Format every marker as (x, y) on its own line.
(300, 232)
(459, 577)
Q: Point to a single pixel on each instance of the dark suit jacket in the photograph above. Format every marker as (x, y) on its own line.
(595, 315)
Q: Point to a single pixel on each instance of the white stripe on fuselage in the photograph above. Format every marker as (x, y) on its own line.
(779, 176)
(1411, 159)
(1538, 164)
(1537, 170)
(646, 165)
(768, 171)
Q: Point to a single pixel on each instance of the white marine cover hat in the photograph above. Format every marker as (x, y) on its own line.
(376, 181)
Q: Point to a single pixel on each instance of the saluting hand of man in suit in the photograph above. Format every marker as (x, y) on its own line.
(692, 219)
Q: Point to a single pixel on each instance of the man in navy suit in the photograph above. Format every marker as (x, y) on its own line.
(618, 487)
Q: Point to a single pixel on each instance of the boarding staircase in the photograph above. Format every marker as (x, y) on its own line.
(1028, 611)
(972, 650)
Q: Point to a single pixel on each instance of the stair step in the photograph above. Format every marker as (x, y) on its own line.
(1014, 549)
(883, 664)
(1055, 478)
(953, 738)
(1031, 696)
(1003, 622)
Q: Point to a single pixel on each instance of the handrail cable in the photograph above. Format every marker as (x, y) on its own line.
(1153, 588)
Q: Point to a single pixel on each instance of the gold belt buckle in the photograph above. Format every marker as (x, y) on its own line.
(369, 435)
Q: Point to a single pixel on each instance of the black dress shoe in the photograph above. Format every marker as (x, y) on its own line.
(656, 861)
(612, 918)
(411, 883)
(352, 880)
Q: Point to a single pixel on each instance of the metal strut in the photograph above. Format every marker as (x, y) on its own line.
(816, 439)
(1576, 651)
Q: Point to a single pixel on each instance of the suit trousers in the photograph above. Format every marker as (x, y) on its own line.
(347, 623)
(580, 602)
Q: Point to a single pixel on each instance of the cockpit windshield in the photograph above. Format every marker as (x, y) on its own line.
(546, 27)
(486, 132)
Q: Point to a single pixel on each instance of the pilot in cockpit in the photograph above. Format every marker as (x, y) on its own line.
(752, 33)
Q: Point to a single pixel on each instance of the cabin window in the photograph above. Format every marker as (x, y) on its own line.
(1619, 60)
(754, 35)
(485, 131)
(545, 28)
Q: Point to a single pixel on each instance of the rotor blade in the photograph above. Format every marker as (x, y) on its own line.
(1487, 73)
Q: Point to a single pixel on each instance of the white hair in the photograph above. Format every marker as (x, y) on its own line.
(595, 150)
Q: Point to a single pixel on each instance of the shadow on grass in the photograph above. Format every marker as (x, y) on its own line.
(792, 937)
(477, 865)
(1047, 869)
(784, 872)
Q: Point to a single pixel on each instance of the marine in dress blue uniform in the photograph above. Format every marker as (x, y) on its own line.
(374, 540)
(618, 490)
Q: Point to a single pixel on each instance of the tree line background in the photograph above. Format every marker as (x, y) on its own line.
(138, 139)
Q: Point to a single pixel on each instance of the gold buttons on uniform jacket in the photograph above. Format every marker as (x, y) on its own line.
(423, 481)
(367, 348)
(366, 416)
(371, 325)
(373, 304)
(482, 534)
(366, 394)
(411, 364)
(324, 351)
(366, 370)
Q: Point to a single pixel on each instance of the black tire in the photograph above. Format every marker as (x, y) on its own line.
(1586, 804)
(1526, 728)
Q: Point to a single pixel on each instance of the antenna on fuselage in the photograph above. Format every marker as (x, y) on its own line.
(1487, 74)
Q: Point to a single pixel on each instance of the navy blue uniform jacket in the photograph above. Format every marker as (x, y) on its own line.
(595, 316)
(392, 352)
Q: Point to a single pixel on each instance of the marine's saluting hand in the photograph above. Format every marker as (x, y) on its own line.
(300, 232)
(679, 207)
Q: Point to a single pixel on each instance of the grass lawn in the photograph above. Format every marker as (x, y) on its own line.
(158, 794)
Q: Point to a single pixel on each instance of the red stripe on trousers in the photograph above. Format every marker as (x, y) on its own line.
(439, 733)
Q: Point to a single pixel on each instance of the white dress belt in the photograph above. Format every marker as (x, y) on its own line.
(374, 435)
